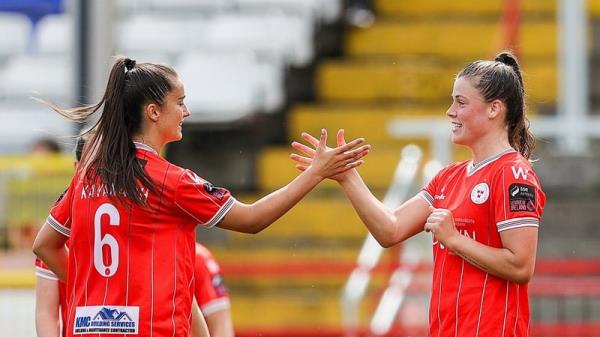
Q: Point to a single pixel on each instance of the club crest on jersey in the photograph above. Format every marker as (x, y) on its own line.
(106, 320)
(480, 193)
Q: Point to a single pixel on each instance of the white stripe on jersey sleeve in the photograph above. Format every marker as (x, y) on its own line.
(58, 226)
(45, 273)
(426, 196)
(517, 223)
(221, 213)
(215, 306)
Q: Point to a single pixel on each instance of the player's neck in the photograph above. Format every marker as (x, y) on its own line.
(487, 148)
(148, 141)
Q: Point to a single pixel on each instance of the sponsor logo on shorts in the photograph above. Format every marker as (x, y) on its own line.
(106, 320)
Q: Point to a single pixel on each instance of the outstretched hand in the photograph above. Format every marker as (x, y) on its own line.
(333, 163)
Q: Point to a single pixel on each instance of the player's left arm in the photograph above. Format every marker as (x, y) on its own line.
(514, 261)
(49, 246)
(517, 203)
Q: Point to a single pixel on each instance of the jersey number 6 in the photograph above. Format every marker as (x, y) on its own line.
(106, 240)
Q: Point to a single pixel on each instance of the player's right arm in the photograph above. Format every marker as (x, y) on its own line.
(252, 218)
(388, 227)
(46, 304)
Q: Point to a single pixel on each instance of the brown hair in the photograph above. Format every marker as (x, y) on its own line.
(501, 79)
(111, 152)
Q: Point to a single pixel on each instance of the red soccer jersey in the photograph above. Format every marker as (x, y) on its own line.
(42, 270)
(131, 268)
(211, 293)
(500, 193)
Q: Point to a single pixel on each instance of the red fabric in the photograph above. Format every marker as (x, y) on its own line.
(501, 193)
(126, 260)
(210, 291)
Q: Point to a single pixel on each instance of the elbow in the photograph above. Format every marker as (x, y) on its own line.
(386, 243)
(387, 240)
(254, 229)
(523, 276)
(38, 248)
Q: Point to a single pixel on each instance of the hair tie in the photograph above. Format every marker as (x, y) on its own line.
(129, 64)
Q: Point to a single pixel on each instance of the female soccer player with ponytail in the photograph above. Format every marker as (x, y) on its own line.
(131, 215)
(483, 213)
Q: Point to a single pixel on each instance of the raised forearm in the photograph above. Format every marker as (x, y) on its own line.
(257, 216)
(380, 221)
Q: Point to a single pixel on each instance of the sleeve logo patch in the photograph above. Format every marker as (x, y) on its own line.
(216, 192)
(521, 198)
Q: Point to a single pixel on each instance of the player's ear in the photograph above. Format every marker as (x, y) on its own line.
(152, 112)
(496, 108)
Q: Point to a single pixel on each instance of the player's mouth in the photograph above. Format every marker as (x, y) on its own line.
(456, 126)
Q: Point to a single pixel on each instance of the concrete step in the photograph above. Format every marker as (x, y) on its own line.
(275, 169)
(455, 39)
(370, 121)
(461, 8)
(315, 218)
(386, 80)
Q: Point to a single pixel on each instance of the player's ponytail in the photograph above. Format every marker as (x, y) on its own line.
(501, 79)
(110, 154)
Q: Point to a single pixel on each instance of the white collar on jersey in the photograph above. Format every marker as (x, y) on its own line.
(142, 146)
(472, 167)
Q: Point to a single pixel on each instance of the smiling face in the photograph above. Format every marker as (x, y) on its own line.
(172, 113)
(469, 113)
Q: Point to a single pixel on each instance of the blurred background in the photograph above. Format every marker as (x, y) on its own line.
(257, 73)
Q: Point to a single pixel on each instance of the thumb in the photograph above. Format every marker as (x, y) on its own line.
(431, 208)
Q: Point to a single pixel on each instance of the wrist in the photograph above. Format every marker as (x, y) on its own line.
(313, 175)
(348, 177)
(453, 242)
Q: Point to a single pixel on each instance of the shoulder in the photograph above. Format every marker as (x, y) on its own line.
(514, 168)
(452, 168)
(515, 164)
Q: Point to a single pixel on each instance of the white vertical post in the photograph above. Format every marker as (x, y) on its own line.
(573, 90)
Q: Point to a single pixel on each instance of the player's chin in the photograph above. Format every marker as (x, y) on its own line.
(456, 140)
